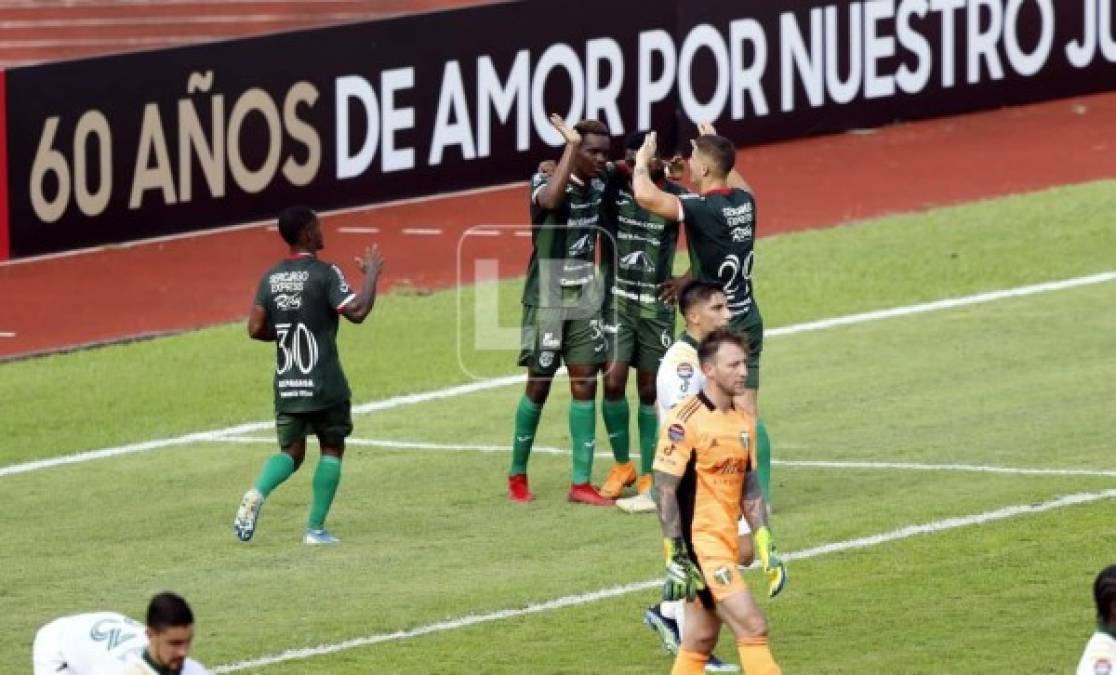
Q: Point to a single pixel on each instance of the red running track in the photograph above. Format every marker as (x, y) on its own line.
(116, 292)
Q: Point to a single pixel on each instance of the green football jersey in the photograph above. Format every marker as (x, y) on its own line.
(637, 253)
(721, 235)
(564, 244)
(303, 297)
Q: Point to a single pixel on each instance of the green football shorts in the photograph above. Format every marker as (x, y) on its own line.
(331, 425)
(547, 340)
(640, 341)
(750, 327)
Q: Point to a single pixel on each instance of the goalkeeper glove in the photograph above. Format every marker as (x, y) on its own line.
(773, 567)
(683, 581)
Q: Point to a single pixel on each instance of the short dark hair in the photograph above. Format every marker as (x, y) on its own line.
(719, 149)
(696, 291)
(1104, 593)
(293, 220)
(586, 127)
(634, 140)
(708, 347)
(168, 610)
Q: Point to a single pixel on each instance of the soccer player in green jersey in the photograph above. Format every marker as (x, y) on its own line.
(562, 299)
(297, 304)
(721, 233)
(637, 258)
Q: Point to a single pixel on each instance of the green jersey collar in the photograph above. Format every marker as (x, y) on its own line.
(688, 339)
(162, 670)
(1108, 629)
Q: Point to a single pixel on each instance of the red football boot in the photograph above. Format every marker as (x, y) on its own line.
(584, 493)
(518, 490)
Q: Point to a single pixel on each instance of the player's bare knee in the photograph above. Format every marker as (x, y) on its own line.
(297, 452)
(699, 640)
(647, 394)
(538, 389)
(747, 552)
(583, 389)
(752, 624)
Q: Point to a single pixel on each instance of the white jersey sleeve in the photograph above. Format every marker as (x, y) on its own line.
(1099, 657)
(679, 376)
(94, 643)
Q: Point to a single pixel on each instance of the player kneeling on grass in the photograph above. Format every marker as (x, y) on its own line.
(107, 643)
(705, 479)
(1100, 652)
(297, 305)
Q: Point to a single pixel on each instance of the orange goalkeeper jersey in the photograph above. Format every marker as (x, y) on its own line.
(712, 452)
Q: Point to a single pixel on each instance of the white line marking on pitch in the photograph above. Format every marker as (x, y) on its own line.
(422, 231)
(388, 444)
(616, 591)
(7, 334)
(523, 233)
(483, 233)
(482, 385)
(358, 230)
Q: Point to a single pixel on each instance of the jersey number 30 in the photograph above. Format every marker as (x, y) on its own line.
(298, 348)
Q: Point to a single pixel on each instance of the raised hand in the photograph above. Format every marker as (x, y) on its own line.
(569, 133)
(372, 261)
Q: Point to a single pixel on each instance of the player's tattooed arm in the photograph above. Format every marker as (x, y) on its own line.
(647, 194)
(258, 326)
(370, 264)
(670, 517)
(752, 504)
(551, 194)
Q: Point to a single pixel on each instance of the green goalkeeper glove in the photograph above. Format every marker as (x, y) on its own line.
(683, 581)
(773, 567)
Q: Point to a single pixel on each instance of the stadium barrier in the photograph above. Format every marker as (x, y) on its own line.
(138, 145)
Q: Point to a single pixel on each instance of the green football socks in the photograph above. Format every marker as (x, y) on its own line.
(276, 469)
(326, 478)
(527, 415)
(763, 456)
(583, 432)
(617, 416)
(648, 437)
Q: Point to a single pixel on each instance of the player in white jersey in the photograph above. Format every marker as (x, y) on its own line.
(1099, 657)
(108, 643)
(705, 308)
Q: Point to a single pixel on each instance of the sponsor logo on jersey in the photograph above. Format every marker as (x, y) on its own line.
(288, 282)
(685, 371)
(676, 432)
(550, 341)
(286, 301)
(637, 260)
(1102, 666)
(723, 576)
(343, 285)
(730, 467)
(738, 215)
(546, 359)
(581, 246)
(740, 234)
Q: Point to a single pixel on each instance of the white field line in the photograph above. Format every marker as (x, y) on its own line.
(482, 385)
(388, 444)
(615, 591)
(358, 230)
(422, 231)
(7, 334)
(949, 303)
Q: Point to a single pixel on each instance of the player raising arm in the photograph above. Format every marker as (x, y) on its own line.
(297, 306)
(720, 232)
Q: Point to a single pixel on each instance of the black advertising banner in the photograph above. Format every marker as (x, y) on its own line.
(774, 70)
(139, 145)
